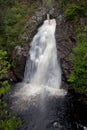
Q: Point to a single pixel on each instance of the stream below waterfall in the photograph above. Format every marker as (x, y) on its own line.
(39, 100)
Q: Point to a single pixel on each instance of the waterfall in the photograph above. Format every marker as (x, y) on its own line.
(38, 99)
(42, 67)
(42, 75)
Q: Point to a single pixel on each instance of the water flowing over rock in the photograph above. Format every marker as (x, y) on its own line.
(39, 99)
(64, 39)
(42, 72)
(42, 67)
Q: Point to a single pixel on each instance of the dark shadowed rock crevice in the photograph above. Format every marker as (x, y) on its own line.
(19, 57)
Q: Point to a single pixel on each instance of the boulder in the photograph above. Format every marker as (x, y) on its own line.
(19, 57)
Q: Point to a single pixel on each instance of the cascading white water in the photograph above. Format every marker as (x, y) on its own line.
(42, 75)
(42, 67)
(39, 99)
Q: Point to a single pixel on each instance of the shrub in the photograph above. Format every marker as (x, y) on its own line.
(73, 11)
(12, 20)
(10, 123)
(4, 88)
(47, 3)
(78, 77)
(63, 3)
(4, 64)
(7, 122)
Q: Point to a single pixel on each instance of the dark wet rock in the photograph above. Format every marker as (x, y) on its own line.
(83, 21)
(57, 125)
(34, 21)
(32, 25)
(65, 43)
(56, 114)
(19, 60)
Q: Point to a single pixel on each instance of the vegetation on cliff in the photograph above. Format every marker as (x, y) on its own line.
(78, 77)
(13, 16)
(7, 121)
(76, 14)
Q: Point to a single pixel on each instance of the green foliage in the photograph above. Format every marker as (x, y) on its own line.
(47, 3)
(12, 28)
(73, 11)
(13, 16)
(78, 77)
(10, 124)
(4, 64)
(4, 67)
(7, 122)
(63, 3)
(4, 88)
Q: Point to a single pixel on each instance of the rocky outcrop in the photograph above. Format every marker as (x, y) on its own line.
(19, 60)
(65, 42)
(35, 21)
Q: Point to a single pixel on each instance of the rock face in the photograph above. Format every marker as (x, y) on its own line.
(19, 60)
(64, 39)
(65, 42)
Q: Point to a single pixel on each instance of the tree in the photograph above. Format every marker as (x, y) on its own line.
(78, 77)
